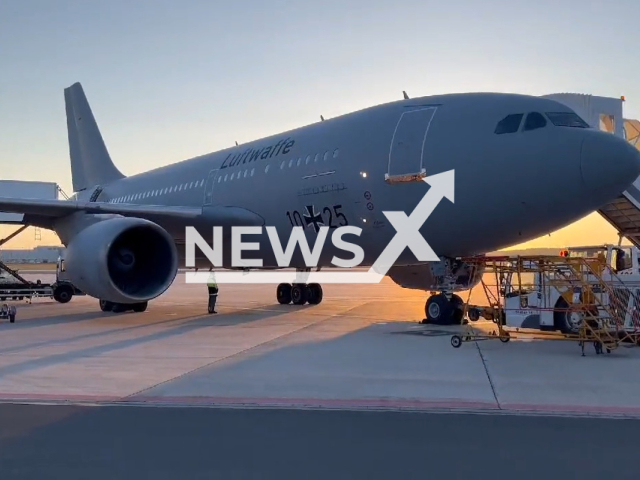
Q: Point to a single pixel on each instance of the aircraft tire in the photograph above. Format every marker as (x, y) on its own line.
(120, 307)
(140, 307)
(283, 294)
(439, 310)
(457, 308)
(314, 293)
(106, 306)
(299, 294)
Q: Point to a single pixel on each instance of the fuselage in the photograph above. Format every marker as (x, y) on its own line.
(512, 184)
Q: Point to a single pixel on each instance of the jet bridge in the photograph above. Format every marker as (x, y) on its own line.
(605, 113)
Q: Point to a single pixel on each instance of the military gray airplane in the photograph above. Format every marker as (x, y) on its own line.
(524, 167)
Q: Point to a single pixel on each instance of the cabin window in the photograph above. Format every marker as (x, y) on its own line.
(326, 156)
(534, 121)
(509, 124)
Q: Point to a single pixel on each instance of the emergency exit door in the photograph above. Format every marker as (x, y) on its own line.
(407, 153)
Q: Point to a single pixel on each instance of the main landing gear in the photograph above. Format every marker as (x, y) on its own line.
(299, 293)
(443, 309)
(107, 306)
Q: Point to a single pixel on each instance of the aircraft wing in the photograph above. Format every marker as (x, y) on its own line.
(43, 213)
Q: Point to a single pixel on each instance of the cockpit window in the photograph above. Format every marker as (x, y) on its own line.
(534, 121)
(567, 119)
(509, 124)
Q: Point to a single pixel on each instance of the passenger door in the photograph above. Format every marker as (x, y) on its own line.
(406, 155)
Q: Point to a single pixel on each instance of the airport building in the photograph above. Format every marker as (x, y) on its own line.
(41, 254)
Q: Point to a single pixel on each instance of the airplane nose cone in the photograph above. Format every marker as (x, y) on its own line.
(608, 162)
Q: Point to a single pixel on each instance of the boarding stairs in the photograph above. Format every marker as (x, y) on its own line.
(623, 213)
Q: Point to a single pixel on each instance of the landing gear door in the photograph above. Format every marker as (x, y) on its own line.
(407, 152)
(209, 186)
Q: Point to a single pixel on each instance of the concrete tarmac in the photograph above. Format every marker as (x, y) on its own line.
(357, 378)
(362, 347)
(72, 442)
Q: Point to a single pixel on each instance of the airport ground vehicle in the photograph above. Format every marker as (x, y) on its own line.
(8, 311)
(586, 293)
(16, 287)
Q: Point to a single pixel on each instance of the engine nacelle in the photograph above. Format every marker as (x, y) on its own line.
(122, 260)
(434, 276)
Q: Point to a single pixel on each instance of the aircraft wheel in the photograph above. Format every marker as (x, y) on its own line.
(283, 294)
(140, 307)
(457, 308)
(438, 310)
(314, 293)
(299, 294)
(106, 306)
(120, 307)
(474, 314)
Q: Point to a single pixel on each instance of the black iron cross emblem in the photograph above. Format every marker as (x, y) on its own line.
(313, 218)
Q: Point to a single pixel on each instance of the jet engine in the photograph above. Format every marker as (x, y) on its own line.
(122, 260)
(448, 274)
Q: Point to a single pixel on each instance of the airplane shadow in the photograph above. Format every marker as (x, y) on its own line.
(176, 327)
(49, 321)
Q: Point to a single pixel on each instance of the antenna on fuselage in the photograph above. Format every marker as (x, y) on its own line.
(404, 94)
(321, 118)
(236, 143)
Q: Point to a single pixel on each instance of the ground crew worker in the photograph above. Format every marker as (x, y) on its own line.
(213, 292)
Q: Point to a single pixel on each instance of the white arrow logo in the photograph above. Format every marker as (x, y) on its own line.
(407, 236)
(408, 228)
